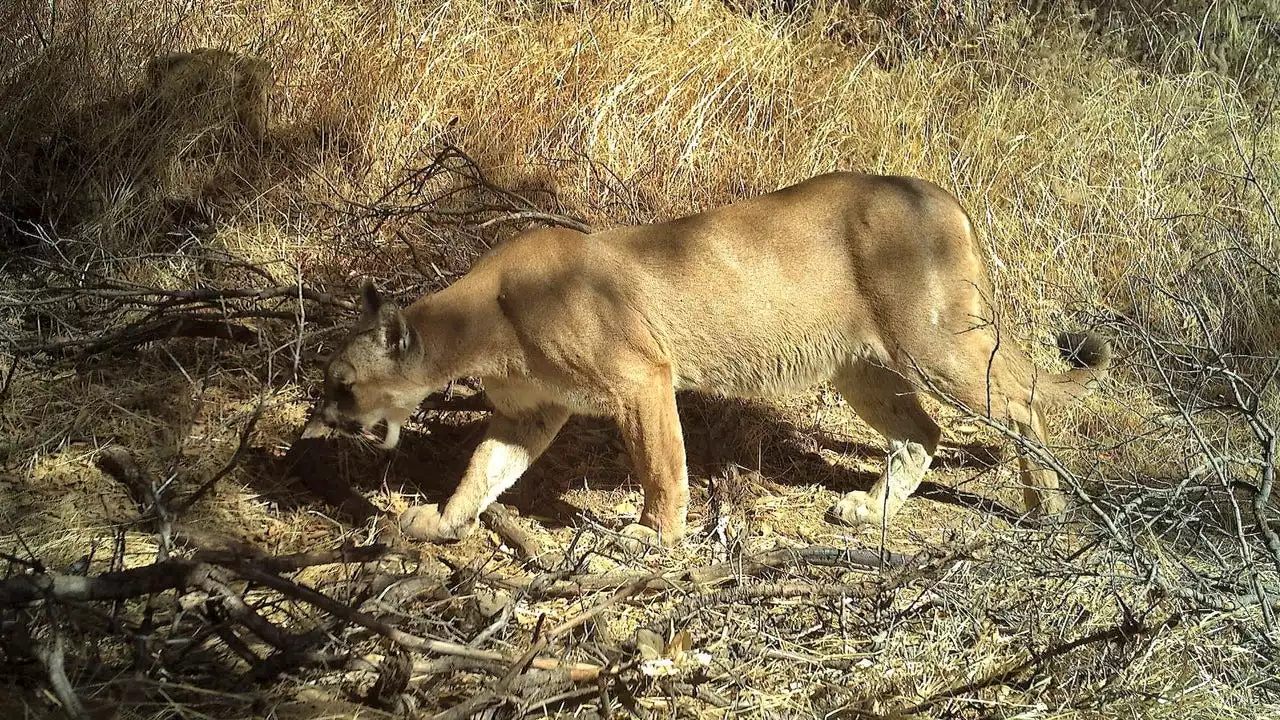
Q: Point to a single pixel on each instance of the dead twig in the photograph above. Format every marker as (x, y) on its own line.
(766, 591)
(242, 446)
(51, 655)
(160, 298)
(405, 640)
(234, 605)
(558, 585)
(502, 520)
(171, 574)
(822, 556)
(165, 328)
(548, 218)
(463, 176)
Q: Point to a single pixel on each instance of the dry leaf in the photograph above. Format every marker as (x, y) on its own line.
(649, 643)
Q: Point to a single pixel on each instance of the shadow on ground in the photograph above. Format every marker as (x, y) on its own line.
(721, 435)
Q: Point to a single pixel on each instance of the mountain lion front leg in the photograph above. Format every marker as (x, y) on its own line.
(512, 443)
(651, 430)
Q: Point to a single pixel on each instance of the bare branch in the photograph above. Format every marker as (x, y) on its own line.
(51, 655)
(409, 642)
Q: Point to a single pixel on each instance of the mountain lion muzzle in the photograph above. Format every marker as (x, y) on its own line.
(873, 284)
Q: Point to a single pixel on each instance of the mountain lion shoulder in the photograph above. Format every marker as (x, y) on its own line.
(872, 283)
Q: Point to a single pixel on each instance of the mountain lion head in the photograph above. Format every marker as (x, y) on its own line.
(370, 377)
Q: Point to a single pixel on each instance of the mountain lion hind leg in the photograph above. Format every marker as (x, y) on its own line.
(1000, 382)
(886, 402)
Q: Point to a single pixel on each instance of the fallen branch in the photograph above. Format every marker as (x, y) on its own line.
(51, 656)
(557, 585)
(235, 606)
(766, 591)
(170, 574)
(141, 333)
(849, 558)
(543, 217)
(205, 298)
(502, 520)
(577, 671)
(345, 555)
(118, 585)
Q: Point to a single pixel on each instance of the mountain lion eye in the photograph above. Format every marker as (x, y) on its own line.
(342, 391)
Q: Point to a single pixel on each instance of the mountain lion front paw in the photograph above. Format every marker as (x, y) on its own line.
(636, 538)
(424, 522)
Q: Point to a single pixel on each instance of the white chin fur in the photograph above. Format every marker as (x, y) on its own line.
(315, 428)
(393, 436)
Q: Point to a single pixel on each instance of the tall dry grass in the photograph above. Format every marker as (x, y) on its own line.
(1082, 170)
(1103, 155)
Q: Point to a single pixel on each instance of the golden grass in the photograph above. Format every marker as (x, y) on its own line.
(1089, 175)
(1081, 170)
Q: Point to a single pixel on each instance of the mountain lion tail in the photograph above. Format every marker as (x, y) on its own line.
(1089, 355)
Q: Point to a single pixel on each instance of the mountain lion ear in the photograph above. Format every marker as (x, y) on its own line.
(371, 297)
(394, 328)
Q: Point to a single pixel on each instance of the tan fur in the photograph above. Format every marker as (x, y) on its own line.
(874, 284)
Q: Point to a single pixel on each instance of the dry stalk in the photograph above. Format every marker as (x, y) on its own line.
(463, 177)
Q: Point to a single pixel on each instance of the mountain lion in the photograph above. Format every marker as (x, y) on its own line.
(875, 284)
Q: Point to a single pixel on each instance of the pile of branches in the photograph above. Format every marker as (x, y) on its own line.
(381, 627)
(76, 312)
(216, 613)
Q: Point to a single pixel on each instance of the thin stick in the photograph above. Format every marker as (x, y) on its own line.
(577, 671)
(51, 656)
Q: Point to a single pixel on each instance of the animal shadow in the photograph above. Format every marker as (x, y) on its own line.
(720, 436)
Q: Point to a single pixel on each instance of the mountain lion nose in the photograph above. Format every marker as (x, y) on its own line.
(316, 427)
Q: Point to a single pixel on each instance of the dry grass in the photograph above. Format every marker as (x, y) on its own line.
(1116, 166)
